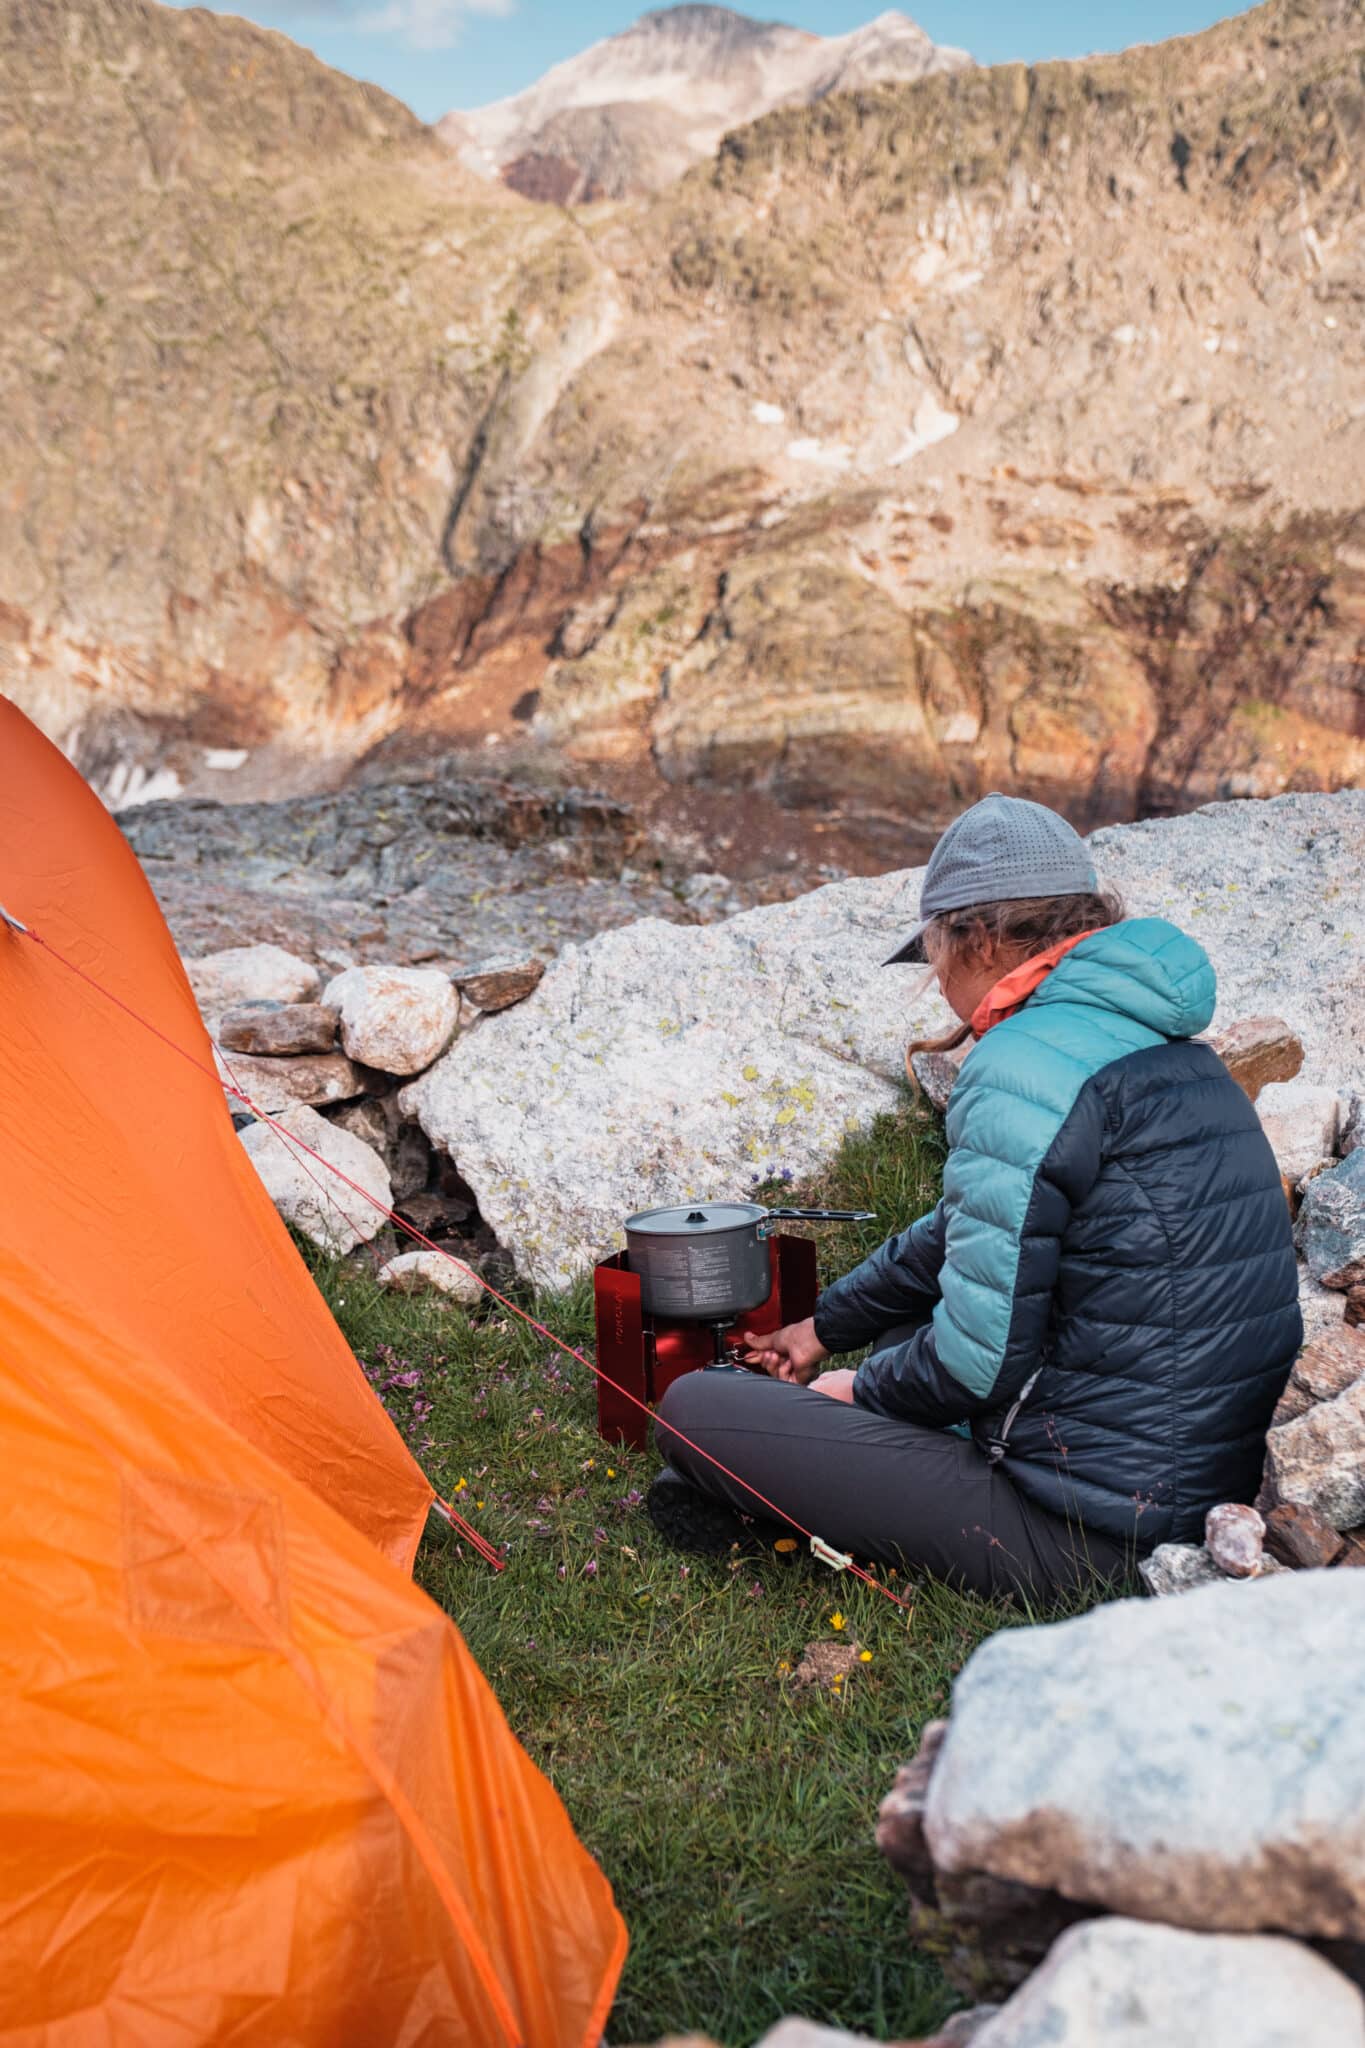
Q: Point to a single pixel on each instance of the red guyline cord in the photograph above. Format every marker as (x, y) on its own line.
(411, 1230)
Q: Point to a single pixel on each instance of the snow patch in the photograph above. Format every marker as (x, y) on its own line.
(767, 414)
(932, 423)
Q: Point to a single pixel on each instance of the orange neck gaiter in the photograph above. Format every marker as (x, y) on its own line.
(1013, 990)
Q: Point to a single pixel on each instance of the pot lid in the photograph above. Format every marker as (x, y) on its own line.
(696, 1219)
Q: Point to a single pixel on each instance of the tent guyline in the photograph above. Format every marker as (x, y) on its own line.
(838, 1560)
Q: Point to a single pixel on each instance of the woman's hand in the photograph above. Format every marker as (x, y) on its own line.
(790, 1354)
(838, 1385)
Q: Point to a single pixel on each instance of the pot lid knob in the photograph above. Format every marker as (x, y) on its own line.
(697, 1216)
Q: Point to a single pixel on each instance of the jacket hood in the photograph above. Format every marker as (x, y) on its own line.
(1143, 968)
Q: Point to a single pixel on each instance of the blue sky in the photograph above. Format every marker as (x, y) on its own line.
(438, 54)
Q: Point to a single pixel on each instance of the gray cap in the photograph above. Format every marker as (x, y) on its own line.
(1002, 848)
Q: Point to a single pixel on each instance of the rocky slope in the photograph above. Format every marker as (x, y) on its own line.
(1003, 429)
(633, 111)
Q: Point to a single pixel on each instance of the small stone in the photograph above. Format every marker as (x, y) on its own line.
(1323, 1308)
(1120, 1983)
(1300, 1538)
(937, 1074)
(249, 974)
(1330, 1364)
(274, 1084)
(278, 1030)
(1234, 1537)
(430, 1272)
(320, 1204)
(1300, 1121)
(1318, 1462)
(1331, 1226)
(498, 984)
(1177, 1568)
(1258, 1050)
(398, 1019)
(1293, 1402)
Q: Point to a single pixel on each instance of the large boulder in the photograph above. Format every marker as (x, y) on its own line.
(398, 1019)
(314, 1200)
(1199, 1760)
(1125, 1984)
(667, 1063)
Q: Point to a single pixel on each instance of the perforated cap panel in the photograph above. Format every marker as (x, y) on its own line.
(1003, 847)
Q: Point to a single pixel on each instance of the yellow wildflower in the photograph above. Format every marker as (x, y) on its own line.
(786, 1544)
(864, 1656)
(460, 1485)
(611, 1471)
(478, 1503)
(836, 1619)
(838, 1680)
(783, 1667)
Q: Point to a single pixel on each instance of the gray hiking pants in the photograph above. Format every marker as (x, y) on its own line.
(890, 1492)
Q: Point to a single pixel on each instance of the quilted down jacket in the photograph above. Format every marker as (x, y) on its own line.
(1107, 1289)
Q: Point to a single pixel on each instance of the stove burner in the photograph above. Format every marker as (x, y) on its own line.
(643, 1355)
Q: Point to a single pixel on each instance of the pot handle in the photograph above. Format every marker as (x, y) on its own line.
(821, 1216)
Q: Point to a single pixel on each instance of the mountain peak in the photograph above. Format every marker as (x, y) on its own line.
(631, 112)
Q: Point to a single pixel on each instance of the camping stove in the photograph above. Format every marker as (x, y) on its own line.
(642, 1354)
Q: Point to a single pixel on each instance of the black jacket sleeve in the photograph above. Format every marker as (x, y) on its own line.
(895, 1284)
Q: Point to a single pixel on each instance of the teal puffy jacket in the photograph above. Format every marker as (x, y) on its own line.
(1107, 1293)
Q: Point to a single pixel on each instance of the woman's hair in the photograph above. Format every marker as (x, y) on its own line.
(1018, 929)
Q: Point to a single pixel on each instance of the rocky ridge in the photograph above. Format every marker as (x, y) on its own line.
(412, 465)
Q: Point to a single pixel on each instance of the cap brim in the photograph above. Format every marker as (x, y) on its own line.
(912, 952)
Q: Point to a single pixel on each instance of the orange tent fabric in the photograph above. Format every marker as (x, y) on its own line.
(254, 1788)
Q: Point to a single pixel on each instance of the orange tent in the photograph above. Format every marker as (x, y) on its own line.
(254, 1787)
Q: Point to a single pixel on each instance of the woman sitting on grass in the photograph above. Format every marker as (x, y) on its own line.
(1078, 1352)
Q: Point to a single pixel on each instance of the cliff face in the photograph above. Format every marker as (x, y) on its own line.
(1001, 430)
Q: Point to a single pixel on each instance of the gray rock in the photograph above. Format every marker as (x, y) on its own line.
(1318, 1461)
(1351, 1121)
(278, 1030)
(1331, 1226)
(315, 1201)
(400, 1144)
(424, 1272)
(1300, 1120)
(1182, 1567)
(1125, 1984)
(315, 1078)
(249, 974)
(1177, 1568)
(937, 1074)
(1323, 1308)
(1198, 1760)
(398, 1019)
(664, 1063)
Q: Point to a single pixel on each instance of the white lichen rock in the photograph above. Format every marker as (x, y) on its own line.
(1126, 1984)
(317, 1202)
(428, 1272)
(398, 1019)
(1199, 1760)
(249, 974)
(668, 1063)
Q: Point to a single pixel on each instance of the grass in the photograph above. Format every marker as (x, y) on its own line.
(732, 1813)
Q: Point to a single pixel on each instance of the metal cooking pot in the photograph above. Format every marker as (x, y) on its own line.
(709, 1263)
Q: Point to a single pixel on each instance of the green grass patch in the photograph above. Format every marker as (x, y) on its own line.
(732, 1813)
